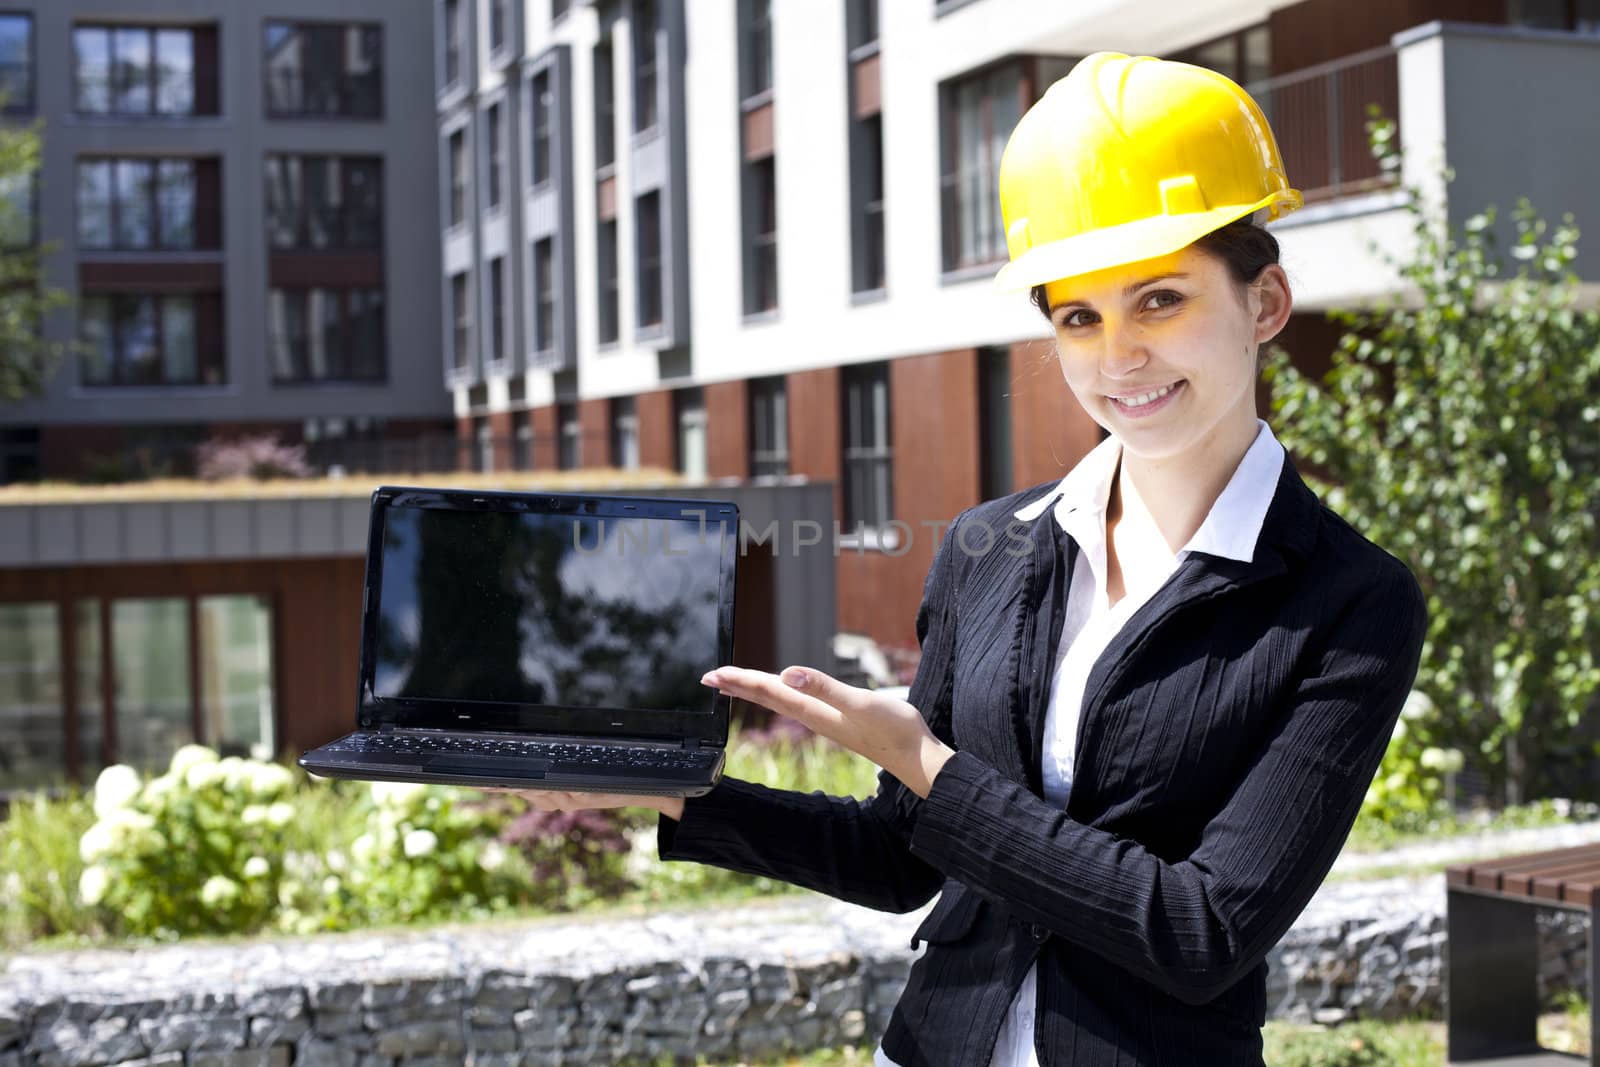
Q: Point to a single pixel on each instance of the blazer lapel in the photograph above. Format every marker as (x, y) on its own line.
(1288, 531)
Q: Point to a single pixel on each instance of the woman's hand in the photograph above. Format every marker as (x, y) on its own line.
(557, 800)
(886, 730)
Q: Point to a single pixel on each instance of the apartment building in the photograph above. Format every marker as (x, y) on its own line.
(753, 239)
(233, 190)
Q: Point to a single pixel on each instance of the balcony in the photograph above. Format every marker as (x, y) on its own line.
(1495, 103)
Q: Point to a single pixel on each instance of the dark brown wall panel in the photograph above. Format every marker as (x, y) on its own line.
(545, 436)
(336, 270)
(867, 90)
(727, 430)
(814, 435)
(149, 276)
(758, 132)
(500, 430)
(594, 423)
(1050, 432)
(656, 431)
(1317, 31)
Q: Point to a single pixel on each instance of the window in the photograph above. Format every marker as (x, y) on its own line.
(624, 432)
(648, 225)
(544, 295)
(540, 163)
(326, 69)
(324, 202)
(866, 191)
(1244, 56)
(150, 339)
(644, 65)
(16, 62)
(980, 111)
(497, 308)
(461, 317)
(567, 451)
(521, 441)
(605, 106)
(755, 48)
(483, 439)
(609, 295)
(18, 214)
(769, 427)
(127, 204)
(134, 70)
(868, 489)
(458, 177)
(326, 335)
(1582, 16)
(497, 25)
(454, 33)
(994, 418)
(690, 408)
(861, 23)
(497, 153)
(761, 236)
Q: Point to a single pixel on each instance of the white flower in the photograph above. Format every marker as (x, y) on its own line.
(253, 815)
(158, 788)
(13, 884)
(1417, 705)
(280, 814)
(336, 861)
(330, 885)
(190, 756)
(218, 891)
(200, 776)
(256, 867)
(493, 856)
(267, 780)
(95, 842)
(92, 884)
(235, 773)
(287, 891)
(420, 843)
(396, 794)
(115, 788)
(130, 830)
(363, 848)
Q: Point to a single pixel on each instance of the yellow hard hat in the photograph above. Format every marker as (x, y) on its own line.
(1128, 158)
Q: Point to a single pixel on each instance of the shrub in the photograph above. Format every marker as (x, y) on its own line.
(250, 457)
(41, 867)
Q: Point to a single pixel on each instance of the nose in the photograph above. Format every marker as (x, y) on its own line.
(1124, 348)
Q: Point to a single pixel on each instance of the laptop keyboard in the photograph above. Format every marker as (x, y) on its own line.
(555, 752)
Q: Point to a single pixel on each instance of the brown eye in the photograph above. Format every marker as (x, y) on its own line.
(1161, 296)
(1071, 319)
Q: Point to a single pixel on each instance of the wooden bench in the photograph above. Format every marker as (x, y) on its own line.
(1491, 983)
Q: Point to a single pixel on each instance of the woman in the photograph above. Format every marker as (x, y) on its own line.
(1133, 748)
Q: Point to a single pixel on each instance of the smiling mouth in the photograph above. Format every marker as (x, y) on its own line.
(1147, 398)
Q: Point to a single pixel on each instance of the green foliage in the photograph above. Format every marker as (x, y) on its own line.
(27, 359)
(1407, 793)
(1460, 428)
(41, 867)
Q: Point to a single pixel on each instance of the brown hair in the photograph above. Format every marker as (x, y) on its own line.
(1244, 248)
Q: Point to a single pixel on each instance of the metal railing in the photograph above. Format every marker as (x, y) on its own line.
(1319, 116)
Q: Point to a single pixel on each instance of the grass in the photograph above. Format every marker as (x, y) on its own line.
(359, 485)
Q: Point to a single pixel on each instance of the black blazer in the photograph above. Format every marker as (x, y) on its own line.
(1228, 737)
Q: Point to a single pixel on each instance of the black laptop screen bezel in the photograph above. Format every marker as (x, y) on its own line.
(710, 726)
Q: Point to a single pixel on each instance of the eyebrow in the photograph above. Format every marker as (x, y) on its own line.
(1134, 287)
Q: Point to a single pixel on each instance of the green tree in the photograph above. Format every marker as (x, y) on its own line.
(1460, 425)
(27, 358)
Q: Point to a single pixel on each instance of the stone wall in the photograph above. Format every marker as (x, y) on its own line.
(812, 974)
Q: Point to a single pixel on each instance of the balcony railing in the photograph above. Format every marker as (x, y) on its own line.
(1319, 116)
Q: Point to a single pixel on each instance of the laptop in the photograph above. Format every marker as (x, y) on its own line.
(542, 641)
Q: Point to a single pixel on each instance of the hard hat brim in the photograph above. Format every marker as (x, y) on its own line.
(1131, 242)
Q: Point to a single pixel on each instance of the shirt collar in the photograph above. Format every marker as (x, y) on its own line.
(1231, 528)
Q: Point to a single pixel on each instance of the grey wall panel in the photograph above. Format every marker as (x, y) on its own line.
(233, 534)
(317, 528)
(189, 528)
(100, 526)
(56, 534)
(275, 532)
(145, 531)
(16, 535)
(355, 518)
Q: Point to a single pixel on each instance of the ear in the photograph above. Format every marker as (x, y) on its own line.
(1274, 302)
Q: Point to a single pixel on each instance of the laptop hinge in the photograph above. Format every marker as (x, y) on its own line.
(691, 743)
(386, 728)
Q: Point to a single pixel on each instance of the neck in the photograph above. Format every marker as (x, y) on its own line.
(1175, 493)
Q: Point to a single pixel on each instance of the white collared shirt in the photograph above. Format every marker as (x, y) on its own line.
(1231, 528)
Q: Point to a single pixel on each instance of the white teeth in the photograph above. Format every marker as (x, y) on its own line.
(1139, 401)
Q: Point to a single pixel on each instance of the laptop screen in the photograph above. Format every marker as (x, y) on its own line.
(599, 616)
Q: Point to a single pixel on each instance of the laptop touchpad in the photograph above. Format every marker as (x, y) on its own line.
(515, 765)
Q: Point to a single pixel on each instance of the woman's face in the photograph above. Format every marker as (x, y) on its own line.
(1178, 321)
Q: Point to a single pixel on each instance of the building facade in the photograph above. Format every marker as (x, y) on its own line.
(754, 238)
(232, 189)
